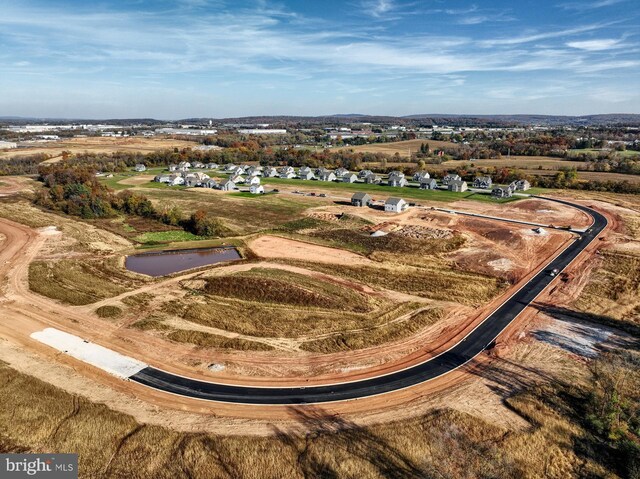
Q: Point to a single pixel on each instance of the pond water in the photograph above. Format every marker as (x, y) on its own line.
(160, 263)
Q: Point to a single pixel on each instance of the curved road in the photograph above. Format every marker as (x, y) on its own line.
(464, 351)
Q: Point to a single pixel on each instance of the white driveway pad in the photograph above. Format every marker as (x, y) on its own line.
(98, 356)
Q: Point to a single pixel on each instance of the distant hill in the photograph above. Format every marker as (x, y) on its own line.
(627, 119)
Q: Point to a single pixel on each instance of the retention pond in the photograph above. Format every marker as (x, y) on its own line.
(161, 263)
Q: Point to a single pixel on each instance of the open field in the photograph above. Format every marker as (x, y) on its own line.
(78, 281)
(97, 145)
(595, 151)
(402, 148)
(441, 443)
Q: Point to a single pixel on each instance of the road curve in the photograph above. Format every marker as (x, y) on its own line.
(464, 351)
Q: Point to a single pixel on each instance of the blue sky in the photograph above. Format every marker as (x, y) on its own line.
(173, 59)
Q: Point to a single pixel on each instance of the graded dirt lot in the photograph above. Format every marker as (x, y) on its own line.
(54, 149)
(282, 248)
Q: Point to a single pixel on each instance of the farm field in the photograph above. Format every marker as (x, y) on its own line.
(97, 145)
(402, 148)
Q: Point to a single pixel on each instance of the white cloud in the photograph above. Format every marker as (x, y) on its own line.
(595, 45)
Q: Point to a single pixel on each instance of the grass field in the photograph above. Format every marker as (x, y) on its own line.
(402, 148)
(78, 282)
(614, 289)
(35, 416)
(98, 145)
(595, 151)
(429, 281)
(375, 335)
(242, 215)
(168, 237)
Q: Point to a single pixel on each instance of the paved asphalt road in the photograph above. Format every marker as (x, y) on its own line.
(472, 345)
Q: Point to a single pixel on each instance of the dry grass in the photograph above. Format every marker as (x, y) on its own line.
(98, 145)
(78, 281)
(374, 336)
(255, 319)
(614, 288)
(442, 444)
(282, 287)
(402, 148)
(433, 280)
(109, 311)
(207, 340)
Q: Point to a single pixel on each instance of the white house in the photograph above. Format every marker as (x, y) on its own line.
(253, 180)
(349, 178)
(227, 185)
(327, 176)
(140, 167)
(256, 189)
(395, 205)
(449, 178)
(458, 186)
(396, 180)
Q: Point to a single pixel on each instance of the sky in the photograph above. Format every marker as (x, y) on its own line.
(173, 59)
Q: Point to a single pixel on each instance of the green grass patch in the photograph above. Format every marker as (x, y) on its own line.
(167, 237)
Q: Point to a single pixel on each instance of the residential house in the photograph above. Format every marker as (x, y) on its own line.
(420, 175)
(211, 166)
(191, 180)
(184, 164)
(306, 175)
(286, 170)
(230, 168)
(340, 172)
(256, 189)
(210, 183)
(303, 170)
(483, 182)
(269, 172)
(396, 180)
(140, 167)
(372, 179)
(449, 178)
(253, 180)
(349, 178)
(362, 174)
(198, 165)
(395, 205)
(327, 176)
(176, 180)
(287, 175)
(163, 178)
(458, 186)
(428, 184)
(522, 185)
(236, 179)
(253, 171)
(227, 185)
(502, 192)
(173, 167)
(361, 199)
